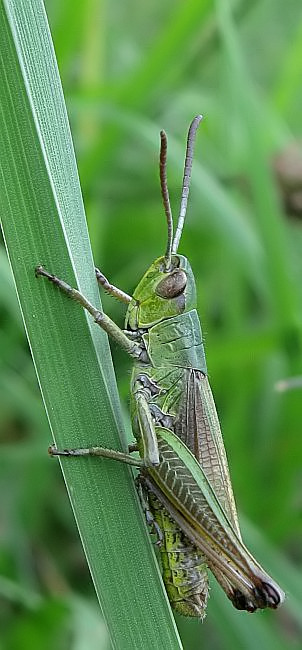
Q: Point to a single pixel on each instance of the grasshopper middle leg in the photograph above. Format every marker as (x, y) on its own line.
(151, 454)
(111, 289)
(102, 452)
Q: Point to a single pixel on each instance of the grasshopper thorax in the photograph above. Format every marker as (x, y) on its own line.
(162, 293)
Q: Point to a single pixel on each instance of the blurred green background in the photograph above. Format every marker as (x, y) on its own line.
(128, 70)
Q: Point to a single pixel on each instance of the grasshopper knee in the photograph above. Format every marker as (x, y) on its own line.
(150, 462)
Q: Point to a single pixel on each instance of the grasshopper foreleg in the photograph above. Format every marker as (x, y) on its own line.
(132, 347)
(111, 289)
(148, 434)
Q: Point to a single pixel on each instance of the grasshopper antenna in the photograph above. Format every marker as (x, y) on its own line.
(186, 180)
(165, 195)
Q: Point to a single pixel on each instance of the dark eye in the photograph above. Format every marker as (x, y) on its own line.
(173, 285)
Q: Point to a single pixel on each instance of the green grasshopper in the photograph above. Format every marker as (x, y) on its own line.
(184, 477)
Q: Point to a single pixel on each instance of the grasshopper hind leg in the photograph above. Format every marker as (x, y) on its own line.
(184, 568)
(150, 519)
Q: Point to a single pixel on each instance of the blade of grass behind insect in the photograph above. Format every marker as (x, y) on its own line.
(43, 222)
(289, 74)
(268, 217)
(164, 55)
(225, 217)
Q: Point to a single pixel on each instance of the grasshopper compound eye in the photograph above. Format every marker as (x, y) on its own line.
(173, 285)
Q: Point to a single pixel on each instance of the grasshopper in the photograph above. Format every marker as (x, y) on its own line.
(184, 477)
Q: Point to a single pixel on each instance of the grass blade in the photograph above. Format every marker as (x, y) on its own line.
(43, 222)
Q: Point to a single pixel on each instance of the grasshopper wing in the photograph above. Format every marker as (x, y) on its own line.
(184, 489)
(197, 425)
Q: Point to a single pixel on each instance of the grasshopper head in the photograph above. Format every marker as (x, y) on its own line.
(162, 293)
(168, 288)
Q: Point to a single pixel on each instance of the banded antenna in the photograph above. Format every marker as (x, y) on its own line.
(186, 180)
(165, 195)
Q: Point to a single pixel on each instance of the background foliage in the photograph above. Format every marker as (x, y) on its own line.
(127, 71)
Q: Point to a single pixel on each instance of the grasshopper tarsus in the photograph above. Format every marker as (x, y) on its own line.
(66, 288)
(40, 270)
(53, 451)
